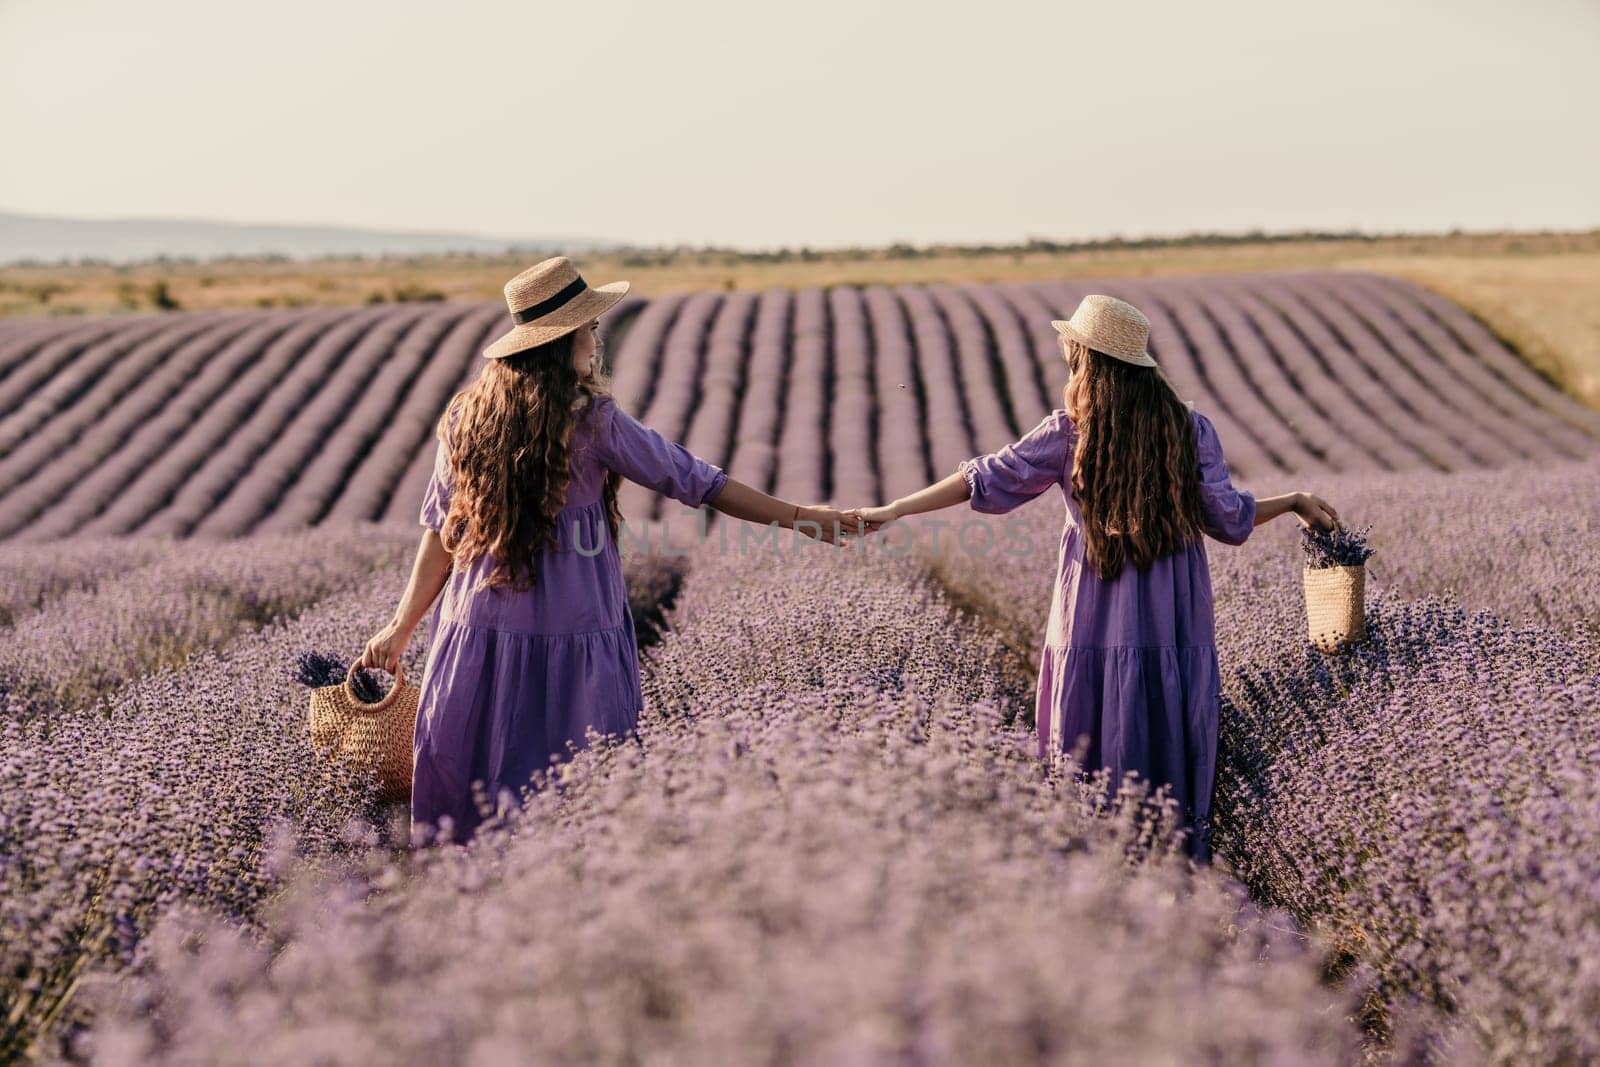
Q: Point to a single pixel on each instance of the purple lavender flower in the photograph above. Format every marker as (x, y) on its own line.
(316, 669)
(1339, 547)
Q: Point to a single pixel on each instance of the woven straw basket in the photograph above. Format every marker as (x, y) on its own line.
(377, 736)
(1336, 610)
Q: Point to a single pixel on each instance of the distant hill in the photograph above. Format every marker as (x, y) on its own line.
(50, 239)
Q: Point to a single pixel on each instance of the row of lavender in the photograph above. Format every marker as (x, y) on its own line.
(227, 423)
(1430, 801)
(87, 616)
(238, 422)
(868, 393)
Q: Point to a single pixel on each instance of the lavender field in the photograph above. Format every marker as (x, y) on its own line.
(831, 841)
(220, 424)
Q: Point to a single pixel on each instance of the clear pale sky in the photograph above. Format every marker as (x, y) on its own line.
(825, 123)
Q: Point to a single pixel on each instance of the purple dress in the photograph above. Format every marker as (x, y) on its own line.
(512, 678)
(1131, 664)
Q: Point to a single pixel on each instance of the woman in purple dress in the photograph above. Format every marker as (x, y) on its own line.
(533, 645)
(1129, 664)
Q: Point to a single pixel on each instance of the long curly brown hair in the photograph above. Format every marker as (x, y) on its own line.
(509, 455)
(1135, 467)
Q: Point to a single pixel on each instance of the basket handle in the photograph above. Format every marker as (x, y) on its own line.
(386, 699)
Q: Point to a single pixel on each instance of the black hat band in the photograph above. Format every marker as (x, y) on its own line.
(544, 307)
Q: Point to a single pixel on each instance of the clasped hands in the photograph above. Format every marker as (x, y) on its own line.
(834, 525)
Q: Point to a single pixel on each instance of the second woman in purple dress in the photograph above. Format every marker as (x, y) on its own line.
(1129, 663)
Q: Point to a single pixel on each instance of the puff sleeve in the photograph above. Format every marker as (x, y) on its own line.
(436, 498)
(1022, 470)
(1229, 513)
(640, 454)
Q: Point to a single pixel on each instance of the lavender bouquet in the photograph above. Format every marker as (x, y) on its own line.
(317, 669)
(1339, 547)
(1335, 584)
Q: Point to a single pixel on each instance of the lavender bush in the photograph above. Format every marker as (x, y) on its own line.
(85, 643)
(174, 788)
(34, 573)
(825, 728)
(862, 617)
(165, 793)
(1429, 801)
(836, 875)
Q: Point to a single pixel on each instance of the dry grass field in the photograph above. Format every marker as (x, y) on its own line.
(1539, 292)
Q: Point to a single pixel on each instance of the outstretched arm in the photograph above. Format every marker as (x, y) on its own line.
(944, 493)
(1311, 509)
(1230, 514)
(996, 482)
(642, 455)
(742, 501)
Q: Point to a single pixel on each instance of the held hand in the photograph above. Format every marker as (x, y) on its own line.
(876, 517)
(385, 648)
(824, 522)
(1312, 510)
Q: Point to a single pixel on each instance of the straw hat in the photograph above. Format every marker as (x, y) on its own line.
(1112, 326)
(548, 300)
